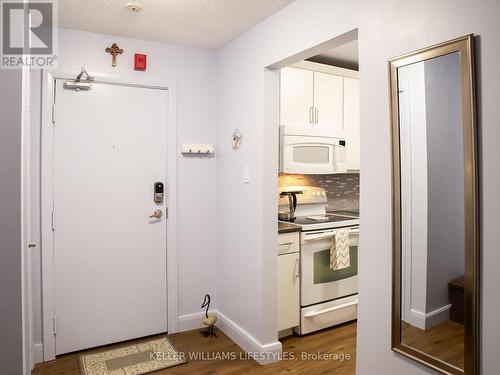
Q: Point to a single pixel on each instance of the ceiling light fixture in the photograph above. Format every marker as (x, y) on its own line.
(134, 6)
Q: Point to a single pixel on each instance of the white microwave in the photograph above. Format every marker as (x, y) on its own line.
(306, 154)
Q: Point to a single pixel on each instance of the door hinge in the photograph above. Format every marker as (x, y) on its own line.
(53, 221)
(54, 324)
(53, 113)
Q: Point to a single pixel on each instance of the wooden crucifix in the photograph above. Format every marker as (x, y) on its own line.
(114, 50)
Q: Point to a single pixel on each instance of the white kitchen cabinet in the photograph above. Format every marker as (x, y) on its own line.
(328, 104)
(311, 101)
(351, 123)
(321, 101)
(288, 243)
(296, 97)
(288, 282)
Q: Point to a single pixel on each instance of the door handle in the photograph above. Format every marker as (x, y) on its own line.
(156, 215)
(311, 115)
(316, 115)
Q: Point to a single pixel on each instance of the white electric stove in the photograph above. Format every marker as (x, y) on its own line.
(327, 297)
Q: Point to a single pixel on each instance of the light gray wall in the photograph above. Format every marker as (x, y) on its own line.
(445, 176)
(10, 223)
(386, 28)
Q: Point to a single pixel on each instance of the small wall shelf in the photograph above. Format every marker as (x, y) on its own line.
(197, 149)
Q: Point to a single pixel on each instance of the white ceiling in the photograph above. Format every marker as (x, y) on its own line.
(345, 55)
(198, 23)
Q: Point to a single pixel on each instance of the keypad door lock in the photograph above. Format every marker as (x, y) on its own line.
(158, 192)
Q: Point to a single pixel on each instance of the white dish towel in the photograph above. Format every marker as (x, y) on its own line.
(339, 252)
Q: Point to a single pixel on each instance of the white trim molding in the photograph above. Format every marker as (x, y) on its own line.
(189, 322)
(428, 320)
(262, 353)
(26, 292)
(37, 351)
(46, 173)
(328, 69)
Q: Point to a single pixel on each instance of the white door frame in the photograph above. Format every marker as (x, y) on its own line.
(26, 306)
(46, 173)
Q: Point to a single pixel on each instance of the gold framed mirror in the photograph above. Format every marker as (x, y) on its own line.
(435, 307)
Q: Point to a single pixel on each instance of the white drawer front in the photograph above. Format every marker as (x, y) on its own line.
(288, 243)
(328, 314)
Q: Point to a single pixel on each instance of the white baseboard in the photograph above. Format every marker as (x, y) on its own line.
(437, 316)
(428, 320)
(37, 353)
(189, 322)
(416, 319)
(262, 353)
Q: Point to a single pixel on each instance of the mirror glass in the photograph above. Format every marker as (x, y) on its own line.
(435, 265)
(432, 207)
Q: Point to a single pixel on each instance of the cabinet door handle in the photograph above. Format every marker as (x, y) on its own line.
(316, 115)
(311, 115)
(297, 268)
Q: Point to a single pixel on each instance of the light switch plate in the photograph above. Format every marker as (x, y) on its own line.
(246, 175)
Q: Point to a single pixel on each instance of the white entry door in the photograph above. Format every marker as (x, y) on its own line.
(110, 147)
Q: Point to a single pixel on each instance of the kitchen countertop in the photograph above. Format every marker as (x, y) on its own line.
(284, 227)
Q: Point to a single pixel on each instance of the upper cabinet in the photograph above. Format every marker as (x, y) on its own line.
(311, 100)
(328, 103)
(296, 92)
(319, 101)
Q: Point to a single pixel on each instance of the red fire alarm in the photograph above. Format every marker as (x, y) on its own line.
(139, 61)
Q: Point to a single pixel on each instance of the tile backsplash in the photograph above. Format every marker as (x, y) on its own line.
(342, 189)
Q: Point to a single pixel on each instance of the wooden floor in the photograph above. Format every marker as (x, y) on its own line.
(444, 341)
(337, 340)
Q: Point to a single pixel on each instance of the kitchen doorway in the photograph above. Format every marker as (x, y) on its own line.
(315, 98)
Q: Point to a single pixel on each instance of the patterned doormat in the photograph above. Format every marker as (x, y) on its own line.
(135, 359)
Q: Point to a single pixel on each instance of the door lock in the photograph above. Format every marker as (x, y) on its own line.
(158, 192)
(156, 215)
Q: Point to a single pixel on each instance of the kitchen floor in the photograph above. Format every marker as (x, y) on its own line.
(340, 340)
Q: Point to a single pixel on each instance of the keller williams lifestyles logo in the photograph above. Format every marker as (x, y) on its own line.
(29, 34)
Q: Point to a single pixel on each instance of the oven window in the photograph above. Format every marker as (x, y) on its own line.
(311, 154)
(322, 271)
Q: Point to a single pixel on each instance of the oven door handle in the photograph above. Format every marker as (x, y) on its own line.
(320, 236)
(312, 314)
